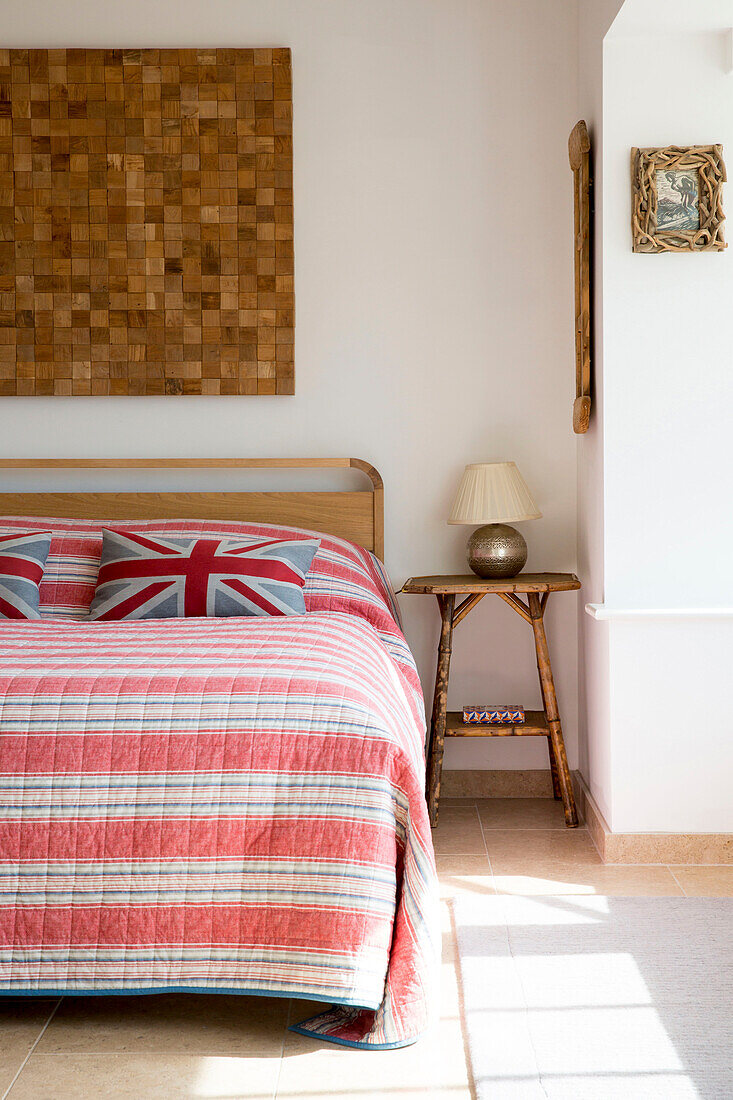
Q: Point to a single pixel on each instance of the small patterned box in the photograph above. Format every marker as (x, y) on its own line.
(493, 716)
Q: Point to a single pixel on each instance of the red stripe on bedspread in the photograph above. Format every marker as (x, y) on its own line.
(108, 752)
(247, 926)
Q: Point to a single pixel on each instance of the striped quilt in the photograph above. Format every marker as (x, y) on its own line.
(220, 804)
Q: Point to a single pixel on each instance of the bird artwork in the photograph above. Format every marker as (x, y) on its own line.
(677, 200)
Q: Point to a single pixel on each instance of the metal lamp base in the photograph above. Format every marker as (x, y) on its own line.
(497, 550)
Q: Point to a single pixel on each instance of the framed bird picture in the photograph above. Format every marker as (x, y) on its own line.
(678, 198)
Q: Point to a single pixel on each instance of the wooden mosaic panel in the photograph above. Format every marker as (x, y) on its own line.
(146, 222)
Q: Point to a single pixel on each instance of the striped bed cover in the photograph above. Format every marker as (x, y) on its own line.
(222, 805)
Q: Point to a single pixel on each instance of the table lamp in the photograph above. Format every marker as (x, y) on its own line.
(494, 494)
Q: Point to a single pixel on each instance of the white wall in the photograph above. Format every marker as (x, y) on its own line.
(672, 732)
(433, 284)
(659, 737)
(594, 755)
(668, 333)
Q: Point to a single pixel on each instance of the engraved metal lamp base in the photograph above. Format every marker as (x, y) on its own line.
(497, 550)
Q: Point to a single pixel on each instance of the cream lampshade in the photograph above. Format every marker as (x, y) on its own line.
(494, 494)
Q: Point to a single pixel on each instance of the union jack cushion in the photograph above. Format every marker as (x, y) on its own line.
(22, 558)
(154, 577)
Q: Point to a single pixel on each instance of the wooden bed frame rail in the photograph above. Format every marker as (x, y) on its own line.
(357, 515)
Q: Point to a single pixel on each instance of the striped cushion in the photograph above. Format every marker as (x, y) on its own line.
(22, 558)
(142, 577)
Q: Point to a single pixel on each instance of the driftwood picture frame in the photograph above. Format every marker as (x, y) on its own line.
(678, 198)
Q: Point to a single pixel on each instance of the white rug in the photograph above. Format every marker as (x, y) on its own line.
(596, 998)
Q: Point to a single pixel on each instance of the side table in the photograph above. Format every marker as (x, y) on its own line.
(544, 723)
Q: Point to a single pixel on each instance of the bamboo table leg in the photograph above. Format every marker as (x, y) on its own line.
(440, 701)
(557, 744)
(556, 793)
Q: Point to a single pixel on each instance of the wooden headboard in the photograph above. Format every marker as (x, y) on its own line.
(357, 515)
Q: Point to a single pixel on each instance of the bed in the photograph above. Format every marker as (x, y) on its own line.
(218, 804)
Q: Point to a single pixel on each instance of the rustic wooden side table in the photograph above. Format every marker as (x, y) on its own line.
(542, 723)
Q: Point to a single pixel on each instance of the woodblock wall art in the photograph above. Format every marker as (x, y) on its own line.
(146, 222)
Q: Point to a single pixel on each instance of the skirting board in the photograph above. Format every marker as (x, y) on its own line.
(664, 848)
(530, 783)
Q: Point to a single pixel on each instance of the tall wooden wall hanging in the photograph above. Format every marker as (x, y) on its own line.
(579, 152)
(146, 222)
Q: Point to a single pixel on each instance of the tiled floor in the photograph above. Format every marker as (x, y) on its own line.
(224, 1048)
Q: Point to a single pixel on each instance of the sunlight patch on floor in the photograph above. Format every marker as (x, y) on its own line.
(222, 1078)
(534, 884)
